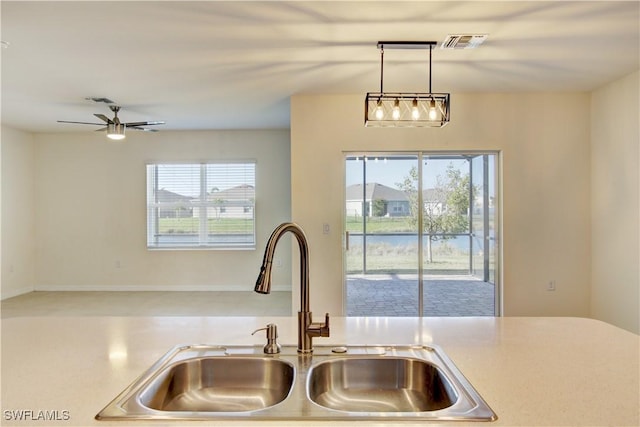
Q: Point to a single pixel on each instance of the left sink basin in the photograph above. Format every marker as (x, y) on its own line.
(219, 384)
(201, 382)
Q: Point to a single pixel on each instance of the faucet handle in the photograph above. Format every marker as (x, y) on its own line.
(317, 329)
(325, 329)
(272, 346)
(326, 325)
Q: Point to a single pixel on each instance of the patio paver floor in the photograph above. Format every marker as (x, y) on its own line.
(396, 295)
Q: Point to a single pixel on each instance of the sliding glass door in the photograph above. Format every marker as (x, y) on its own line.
(421, 234)
(381, 236)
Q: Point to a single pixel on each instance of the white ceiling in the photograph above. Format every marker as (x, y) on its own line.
(232, 65)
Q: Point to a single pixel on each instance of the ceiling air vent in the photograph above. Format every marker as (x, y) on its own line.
(99, 100)
(463, 41)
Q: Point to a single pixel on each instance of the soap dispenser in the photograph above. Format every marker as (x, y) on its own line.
(272, 346)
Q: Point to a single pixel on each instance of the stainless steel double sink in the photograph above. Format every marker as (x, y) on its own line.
(201, 382)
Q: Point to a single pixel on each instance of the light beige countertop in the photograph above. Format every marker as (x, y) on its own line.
(531, 371)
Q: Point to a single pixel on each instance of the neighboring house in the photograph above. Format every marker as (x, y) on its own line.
(181, 205)
(379, 200)
(478, 205)
(435, 201)
(234, 202)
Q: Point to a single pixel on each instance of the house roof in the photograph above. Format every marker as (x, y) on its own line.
(239, 192)
(433, 195)
(374, 191)
(166, 196)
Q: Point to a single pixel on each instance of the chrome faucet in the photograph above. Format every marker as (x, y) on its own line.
(307, 329)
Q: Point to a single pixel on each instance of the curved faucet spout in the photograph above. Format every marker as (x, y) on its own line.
(306, 328)
(263, 284)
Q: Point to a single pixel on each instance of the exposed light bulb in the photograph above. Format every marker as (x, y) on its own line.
(433, 114)
(415, 113)
(379, 111)
(396, 110)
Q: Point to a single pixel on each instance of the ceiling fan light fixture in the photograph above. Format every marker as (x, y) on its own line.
(114, 127)
(401, 109)
(115, 131)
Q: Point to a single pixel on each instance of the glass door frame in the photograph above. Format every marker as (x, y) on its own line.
(421, 155)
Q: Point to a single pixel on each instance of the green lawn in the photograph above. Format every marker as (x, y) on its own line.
(394, 224)
(215, 225)
(383, 258)
(380, 225)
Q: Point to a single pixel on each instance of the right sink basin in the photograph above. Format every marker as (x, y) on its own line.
(375, 384)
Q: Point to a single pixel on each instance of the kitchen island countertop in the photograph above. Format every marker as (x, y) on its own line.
(531, 371)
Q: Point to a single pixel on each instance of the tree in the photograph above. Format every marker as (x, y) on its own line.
(379, 207)
(219, 202)
(446, 211)
(458, 201)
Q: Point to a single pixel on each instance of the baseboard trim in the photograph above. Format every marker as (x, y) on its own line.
(13, 293)
(154, 288)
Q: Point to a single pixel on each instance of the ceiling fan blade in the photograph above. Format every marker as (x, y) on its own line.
(133, 124)
(81, 123)
(104, 118)
(142, 129)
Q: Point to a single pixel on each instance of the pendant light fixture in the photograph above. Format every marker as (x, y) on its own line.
(405, 109)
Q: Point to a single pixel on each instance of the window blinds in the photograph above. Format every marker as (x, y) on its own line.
(205, 205)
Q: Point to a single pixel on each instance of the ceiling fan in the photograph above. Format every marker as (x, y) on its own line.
(114, 127)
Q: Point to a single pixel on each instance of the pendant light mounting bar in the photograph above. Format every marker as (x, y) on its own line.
(406, 45)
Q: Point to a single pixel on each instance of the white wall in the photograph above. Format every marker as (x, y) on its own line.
(91, 213)
(615, 140)
(18, 213)
(544, 142)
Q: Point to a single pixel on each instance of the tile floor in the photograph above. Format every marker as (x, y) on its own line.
(379, 295)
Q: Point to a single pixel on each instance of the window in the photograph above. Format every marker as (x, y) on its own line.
(207, 205)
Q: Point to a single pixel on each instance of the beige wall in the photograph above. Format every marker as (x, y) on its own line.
(615, 133)
(544, 143)
(91, 213)
(18, 212)
(73, 204)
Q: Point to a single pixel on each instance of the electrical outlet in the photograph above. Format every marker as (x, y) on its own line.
(551, 286)
(326, 228)
(278, 263)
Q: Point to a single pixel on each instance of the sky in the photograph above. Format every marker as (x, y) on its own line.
(389, 171)
(185, 179)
